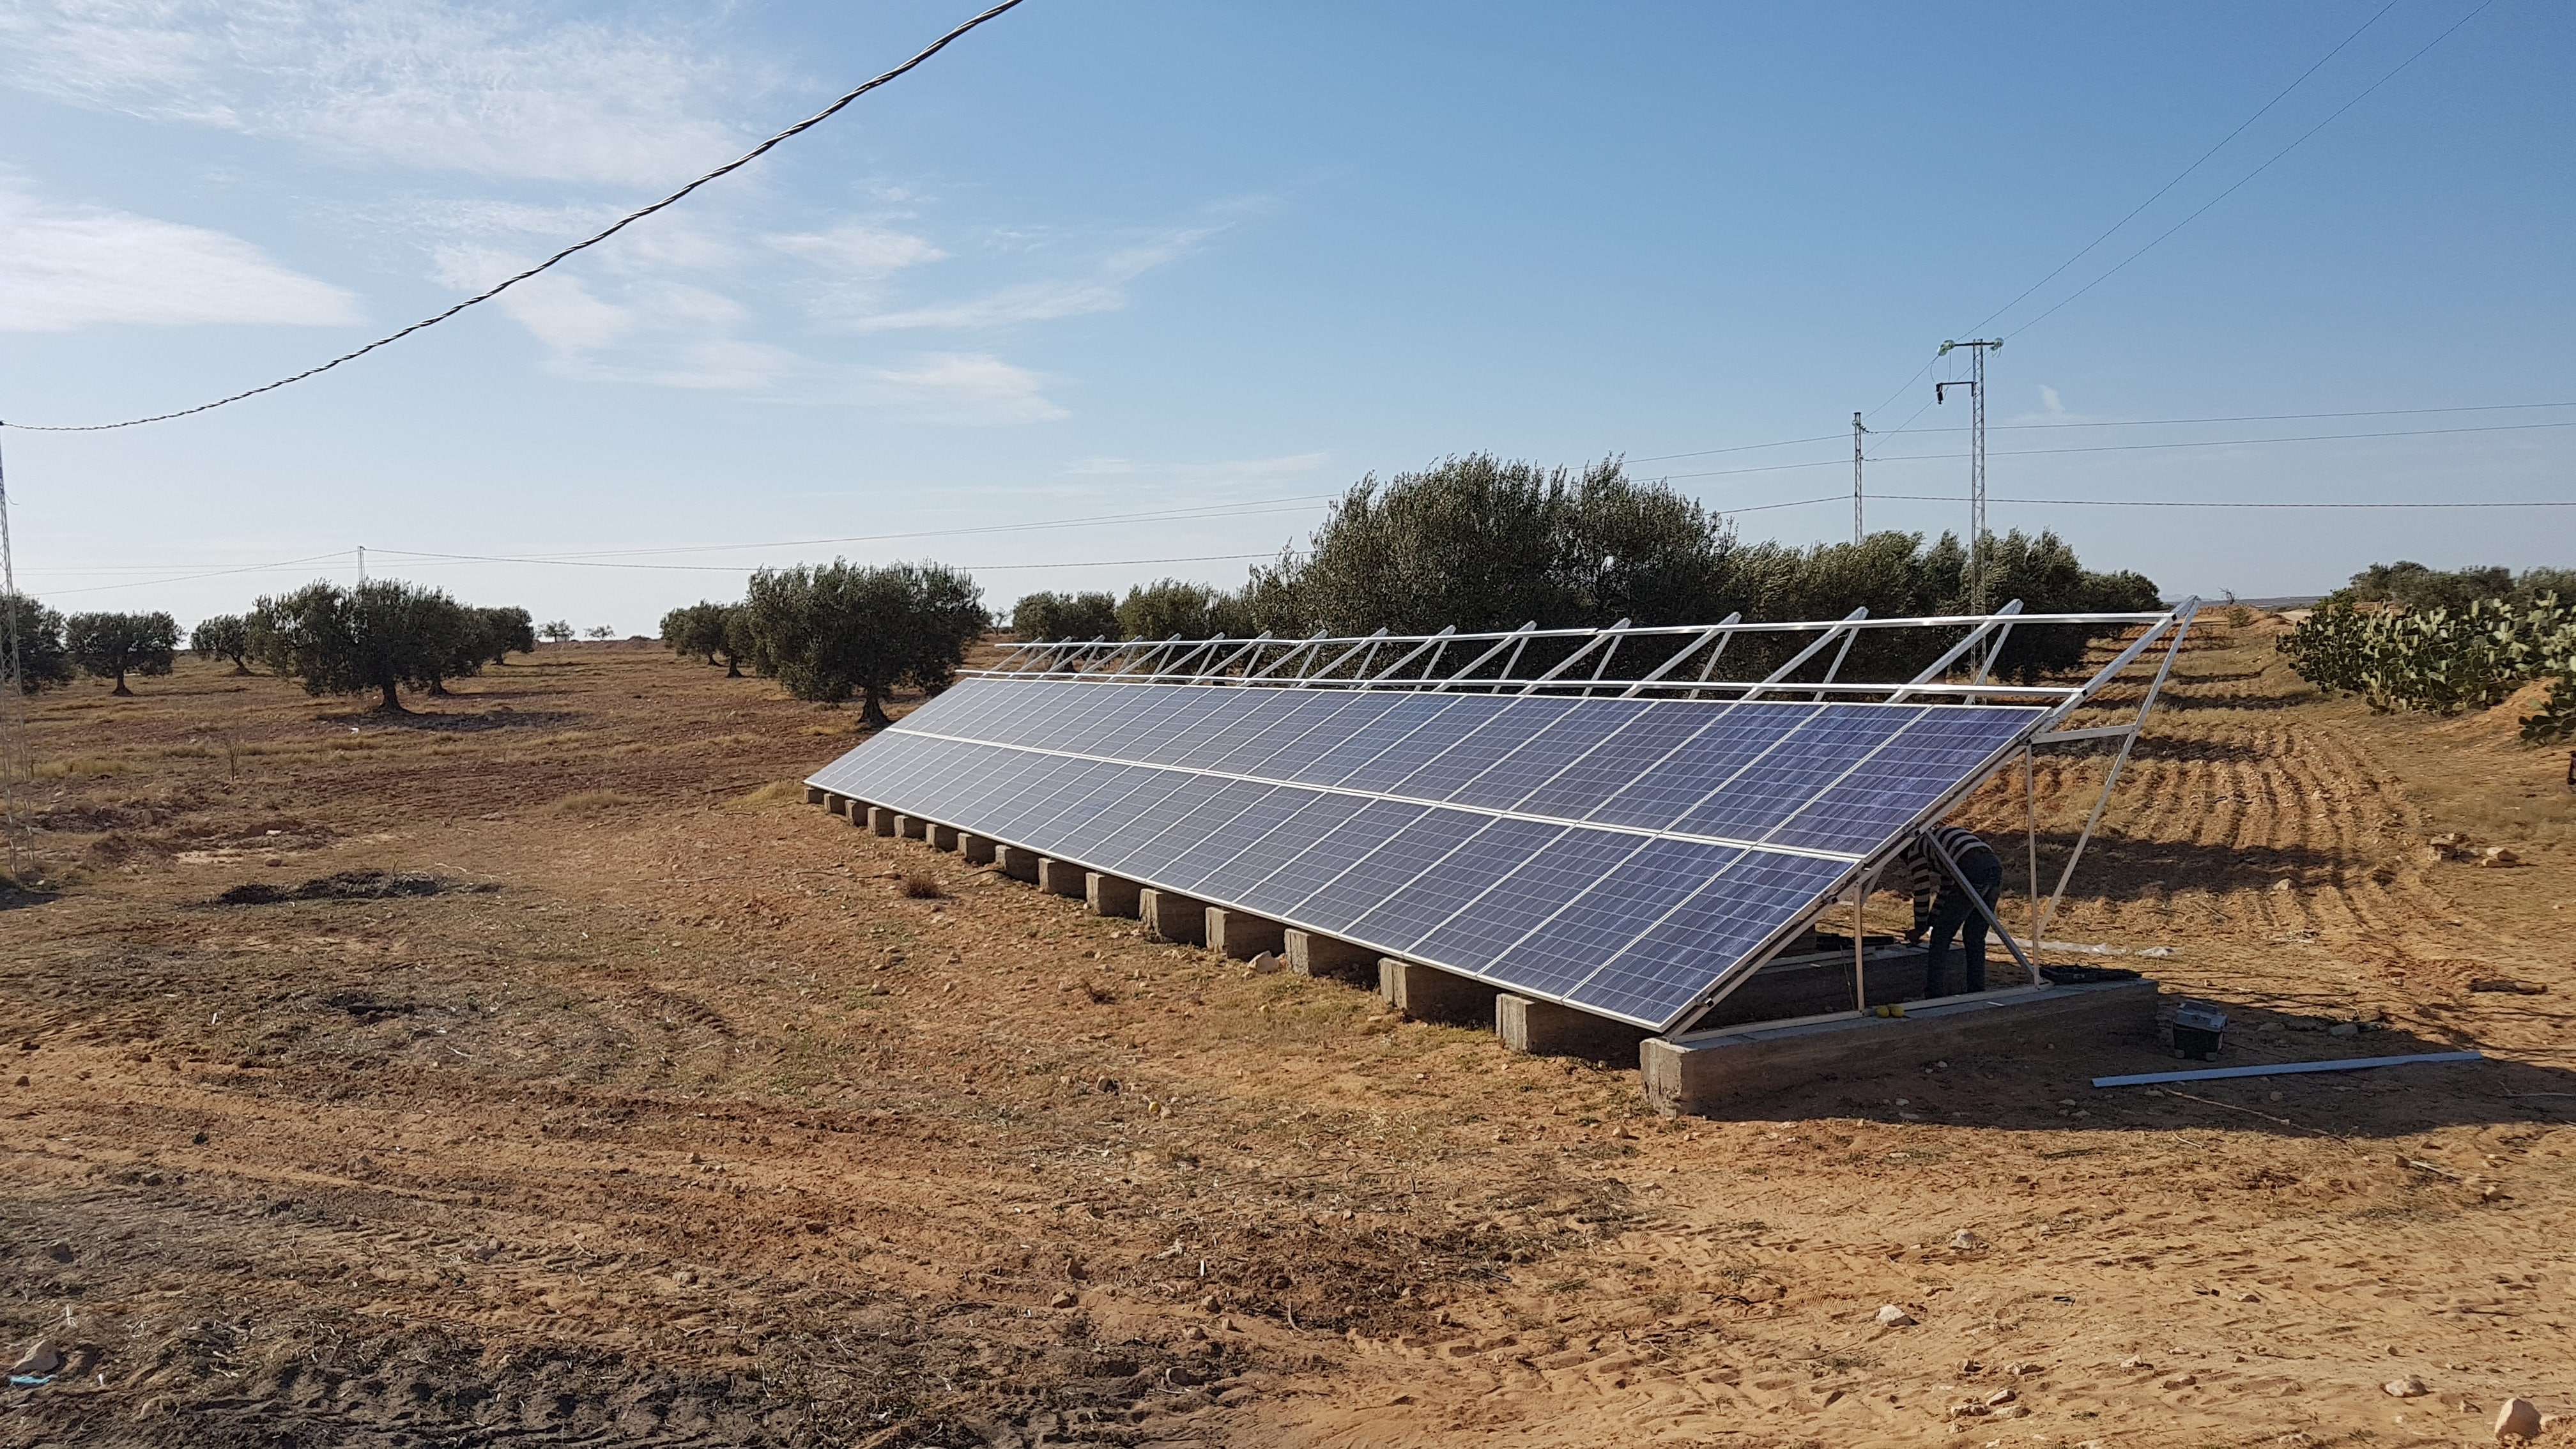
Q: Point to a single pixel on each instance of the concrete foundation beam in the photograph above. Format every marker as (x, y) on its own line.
(1170, 917)
(857, 814)
(1552, 1030)
(1427, 993)
(836, 804)
(1110, 895)
(1064, 879)
(912, 827)
(943, 837)
(1016, 863)
(1308, 954)
(1241, 936)
(977, 849)
(1699, 1074)
(816, 795)
(880, 820)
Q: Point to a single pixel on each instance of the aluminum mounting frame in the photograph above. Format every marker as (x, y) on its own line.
(1416, 663)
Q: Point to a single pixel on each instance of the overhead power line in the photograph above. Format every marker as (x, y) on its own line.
(623, 222)
(2185, 172)
(2125, 423)
(2134, 447)
(2295, 144)
(2161, 191)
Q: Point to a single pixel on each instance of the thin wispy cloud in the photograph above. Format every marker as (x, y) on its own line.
(65, 267)
(970, 388)
(478, 89)
(1102, 287)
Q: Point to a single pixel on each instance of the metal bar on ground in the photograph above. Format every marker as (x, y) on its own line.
(2283, 1069)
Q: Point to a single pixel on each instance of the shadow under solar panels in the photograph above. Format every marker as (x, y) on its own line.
(1624, 856)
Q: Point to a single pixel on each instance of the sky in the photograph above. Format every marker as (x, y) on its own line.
(1113, 291)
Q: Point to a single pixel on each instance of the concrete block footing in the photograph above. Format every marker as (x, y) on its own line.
(1308, 954)
(912, 827)
(817, 795)
(978, 849)
(1064, 879)
(881, 820)
(1548, 1029)
(1170, 917)
(840, 805)
(1427, 993)
(1017, 863)
(1700, 1073)
(943, 837)
(1110, 895)
(1233, 933)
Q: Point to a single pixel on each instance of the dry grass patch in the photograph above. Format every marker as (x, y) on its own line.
(917, 886)
(776, 792)
(587, 802)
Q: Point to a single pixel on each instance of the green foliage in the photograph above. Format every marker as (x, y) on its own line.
(43, 662)
(2410, 585)
(2439, 660)
(225, 636)
(377, 636)
(112, 646)
(1045, 615)
(1168, 607)
(707, 630)
(1485, 544)
(843, 629)
(555, 631)
(506, 632)
(2556, 719)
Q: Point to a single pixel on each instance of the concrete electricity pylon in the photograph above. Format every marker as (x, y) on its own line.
(1975, 383)
(1857, 525)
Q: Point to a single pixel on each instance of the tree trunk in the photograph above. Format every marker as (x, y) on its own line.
(437, 686)
(733, 667)
(872, 710)
(120, 685)
(393, 702)
(240, 668)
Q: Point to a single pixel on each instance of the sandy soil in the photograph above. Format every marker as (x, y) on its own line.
(562, 1078)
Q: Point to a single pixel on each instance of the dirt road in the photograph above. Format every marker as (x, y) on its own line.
(539, 1069)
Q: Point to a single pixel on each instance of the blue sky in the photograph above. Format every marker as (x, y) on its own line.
(1113, 259)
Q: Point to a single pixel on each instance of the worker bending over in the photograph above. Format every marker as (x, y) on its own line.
(1953, 912)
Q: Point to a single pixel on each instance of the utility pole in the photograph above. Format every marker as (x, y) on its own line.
(1976, 386)
(17, 766)
(1857, 430)
(362, 563)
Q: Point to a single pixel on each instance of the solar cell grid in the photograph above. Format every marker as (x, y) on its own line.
(1542, 754)
(1262, 798)
(1453, 882)
(1521, 898)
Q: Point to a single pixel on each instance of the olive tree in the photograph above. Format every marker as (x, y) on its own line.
(33, 635)
(112, 646)
(374, 637)
(506, 631)
(225, 636)
(1482, 543)
(1168, 607)
(1046, 615)
(706, 630)
(555, 631)
(842, 629)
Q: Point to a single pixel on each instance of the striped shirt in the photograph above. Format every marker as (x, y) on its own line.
(1925, 876)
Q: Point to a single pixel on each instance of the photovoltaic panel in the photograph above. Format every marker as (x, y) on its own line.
(1624, 856)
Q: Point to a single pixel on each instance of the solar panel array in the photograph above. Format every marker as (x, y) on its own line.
(1618, 855)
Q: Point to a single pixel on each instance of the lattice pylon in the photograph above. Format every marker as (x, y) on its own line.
(17, 761)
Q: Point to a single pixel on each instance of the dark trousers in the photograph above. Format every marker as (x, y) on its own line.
(1952, 915)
